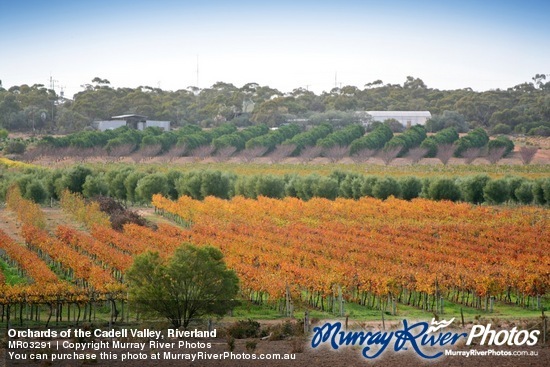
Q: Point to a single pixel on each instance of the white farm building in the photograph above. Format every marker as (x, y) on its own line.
(133, 121)
(406, 118)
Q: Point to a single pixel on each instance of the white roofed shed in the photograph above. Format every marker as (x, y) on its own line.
(406, 118)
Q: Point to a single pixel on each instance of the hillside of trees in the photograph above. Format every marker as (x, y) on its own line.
(522, 109)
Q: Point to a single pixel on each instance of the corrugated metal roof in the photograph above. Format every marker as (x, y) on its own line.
(400, 113)
(128, 116)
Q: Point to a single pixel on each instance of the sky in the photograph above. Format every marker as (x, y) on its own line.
(284, 44)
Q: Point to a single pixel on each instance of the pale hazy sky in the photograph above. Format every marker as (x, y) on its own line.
(284, 44)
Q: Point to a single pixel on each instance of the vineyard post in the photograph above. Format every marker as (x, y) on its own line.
(111, 313)
(462, 316)
(383, 322)
(8, 323)
(492, 304)
(306, 322)
(347, 321)
(288, 305)
(436, 298)
(341, 301)
(544, 326)
(441, 305)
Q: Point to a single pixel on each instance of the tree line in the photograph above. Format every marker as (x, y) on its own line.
(131, 185)
(290, 140)
(524, 108)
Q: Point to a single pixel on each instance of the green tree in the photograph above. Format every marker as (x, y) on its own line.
(130, 184)
(446, 120)
(326, 187)
(524, 192)
(35, 191)
(471, 188)
(74, 178)
(496, 191)
(95, 185)
(410, 187)
(385, 187)
(270, 186)
(155, 183)
(193, 283)
(444, 189)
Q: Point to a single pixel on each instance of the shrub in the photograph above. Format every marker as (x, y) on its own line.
(368, 186)
(350, 186)
(545, 186)
(35, 191)
(230, 343)
(539, 131)
(270, 186)
(243, 329)
(410, 187)
(121, 218)
(285, 330)
(305, 187)
(251, 345)
(501, 129)
(524, 193)
(3, 133)
(513, 183)
(444, 189)
(75, 178)
(327, 188)
(155, 183)
(496, 191)
(297, 345)
(118, 214)
(538, 191)
(95, 185)
(386, 187)
(15, 147)
(199, 184)
(471, 188)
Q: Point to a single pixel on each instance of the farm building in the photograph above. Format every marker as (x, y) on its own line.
(133, 121)
(406, 118)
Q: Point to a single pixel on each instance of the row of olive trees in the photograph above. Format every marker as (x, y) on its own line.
(136, 186)
(226, 141)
